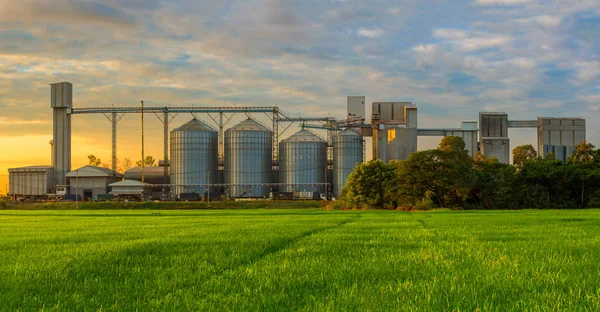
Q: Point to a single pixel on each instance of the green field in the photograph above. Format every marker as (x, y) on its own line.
(299, 260)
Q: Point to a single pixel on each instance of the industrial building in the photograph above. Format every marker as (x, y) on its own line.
(88, 182)
(249, 160)
(127, 189)
(32, 181)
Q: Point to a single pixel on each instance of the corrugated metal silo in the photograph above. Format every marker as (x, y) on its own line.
(302, 160)
(194, 153)
(347, 152)
(248, 159)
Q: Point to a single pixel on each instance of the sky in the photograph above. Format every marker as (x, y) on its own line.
(453, 59)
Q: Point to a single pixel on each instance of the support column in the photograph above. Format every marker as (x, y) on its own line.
(276, 134)
(166, 146)
(114, 121)
(221, 138)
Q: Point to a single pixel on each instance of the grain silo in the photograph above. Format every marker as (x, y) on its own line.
(194, 148)
(347, 152)
(248, 159)
(302, 160)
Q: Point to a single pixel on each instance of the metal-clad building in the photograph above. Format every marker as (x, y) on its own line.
(560, 131)
(248, 159)
(90, 181)
(302, 160)
(396, 136)
(493, 132)
(153, 175)
(194, 157)
(561, 152)
(347, 152)
(31, 181)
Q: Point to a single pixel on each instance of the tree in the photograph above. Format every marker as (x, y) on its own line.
(479, 156)
(149, 161)
(366, 185)
(93, 161)
(446, 174)
(493, 186)
(585, 167)
(126, 164)
(544, 183)
(523, 154)
(453, 144)
(584, 153)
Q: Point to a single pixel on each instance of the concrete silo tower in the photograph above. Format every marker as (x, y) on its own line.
(61, 101)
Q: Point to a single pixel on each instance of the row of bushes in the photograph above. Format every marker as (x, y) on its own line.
(447, 177)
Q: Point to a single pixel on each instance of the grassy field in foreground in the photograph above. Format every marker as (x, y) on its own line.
(299, 260)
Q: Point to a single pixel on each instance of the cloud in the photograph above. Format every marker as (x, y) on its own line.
(18, 121)
(471, 41)
(593, 102)
(447, 33)
(472, 44)
(541, 20)
(370, 32)
(502, 2)
(63, 11)
(587, 71)
(550, 104)
(304, 56)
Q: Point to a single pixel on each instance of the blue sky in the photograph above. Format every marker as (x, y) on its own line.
(453, 59)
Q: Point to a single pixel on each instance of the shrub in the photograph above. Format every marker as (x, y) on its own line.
(424, 204)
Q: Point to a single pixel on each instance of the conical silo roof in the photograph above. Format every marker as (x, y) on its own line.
(248, 125)
(194, 125)
(304, 136)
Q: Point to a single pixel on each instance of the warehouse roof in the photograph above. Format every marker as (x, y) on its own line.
(93, 171)
(31, 168)
(129, 183)
(138, 170)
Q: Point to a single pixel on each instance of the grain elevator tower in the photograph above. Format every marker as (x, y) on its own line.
(61, 101)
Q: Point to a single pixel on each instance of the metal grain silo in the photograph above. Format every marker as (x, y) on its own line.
(248, 159)
(194, 153)
(347, 152)
(302, 160)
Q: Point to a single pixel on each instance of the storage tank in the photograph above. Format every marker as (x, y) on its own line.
(248, 159)
(302, 160)
(194, 153)
(347, 152)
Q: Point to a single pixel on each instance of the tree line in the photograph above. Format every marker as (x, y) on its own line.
(124, 165)
(447, 177)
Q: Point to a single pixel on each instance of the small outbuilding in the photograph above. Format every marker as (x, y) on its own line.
(90, 181)
(131, 189)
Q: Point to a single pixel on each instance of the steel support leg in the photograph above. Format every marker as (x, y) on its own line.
(166, 146)
(276, 135)
(114, 121)
(221, 138)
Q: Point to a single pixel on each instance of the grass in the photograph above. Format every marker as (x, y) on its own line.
(50, 205)
(307, 259)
